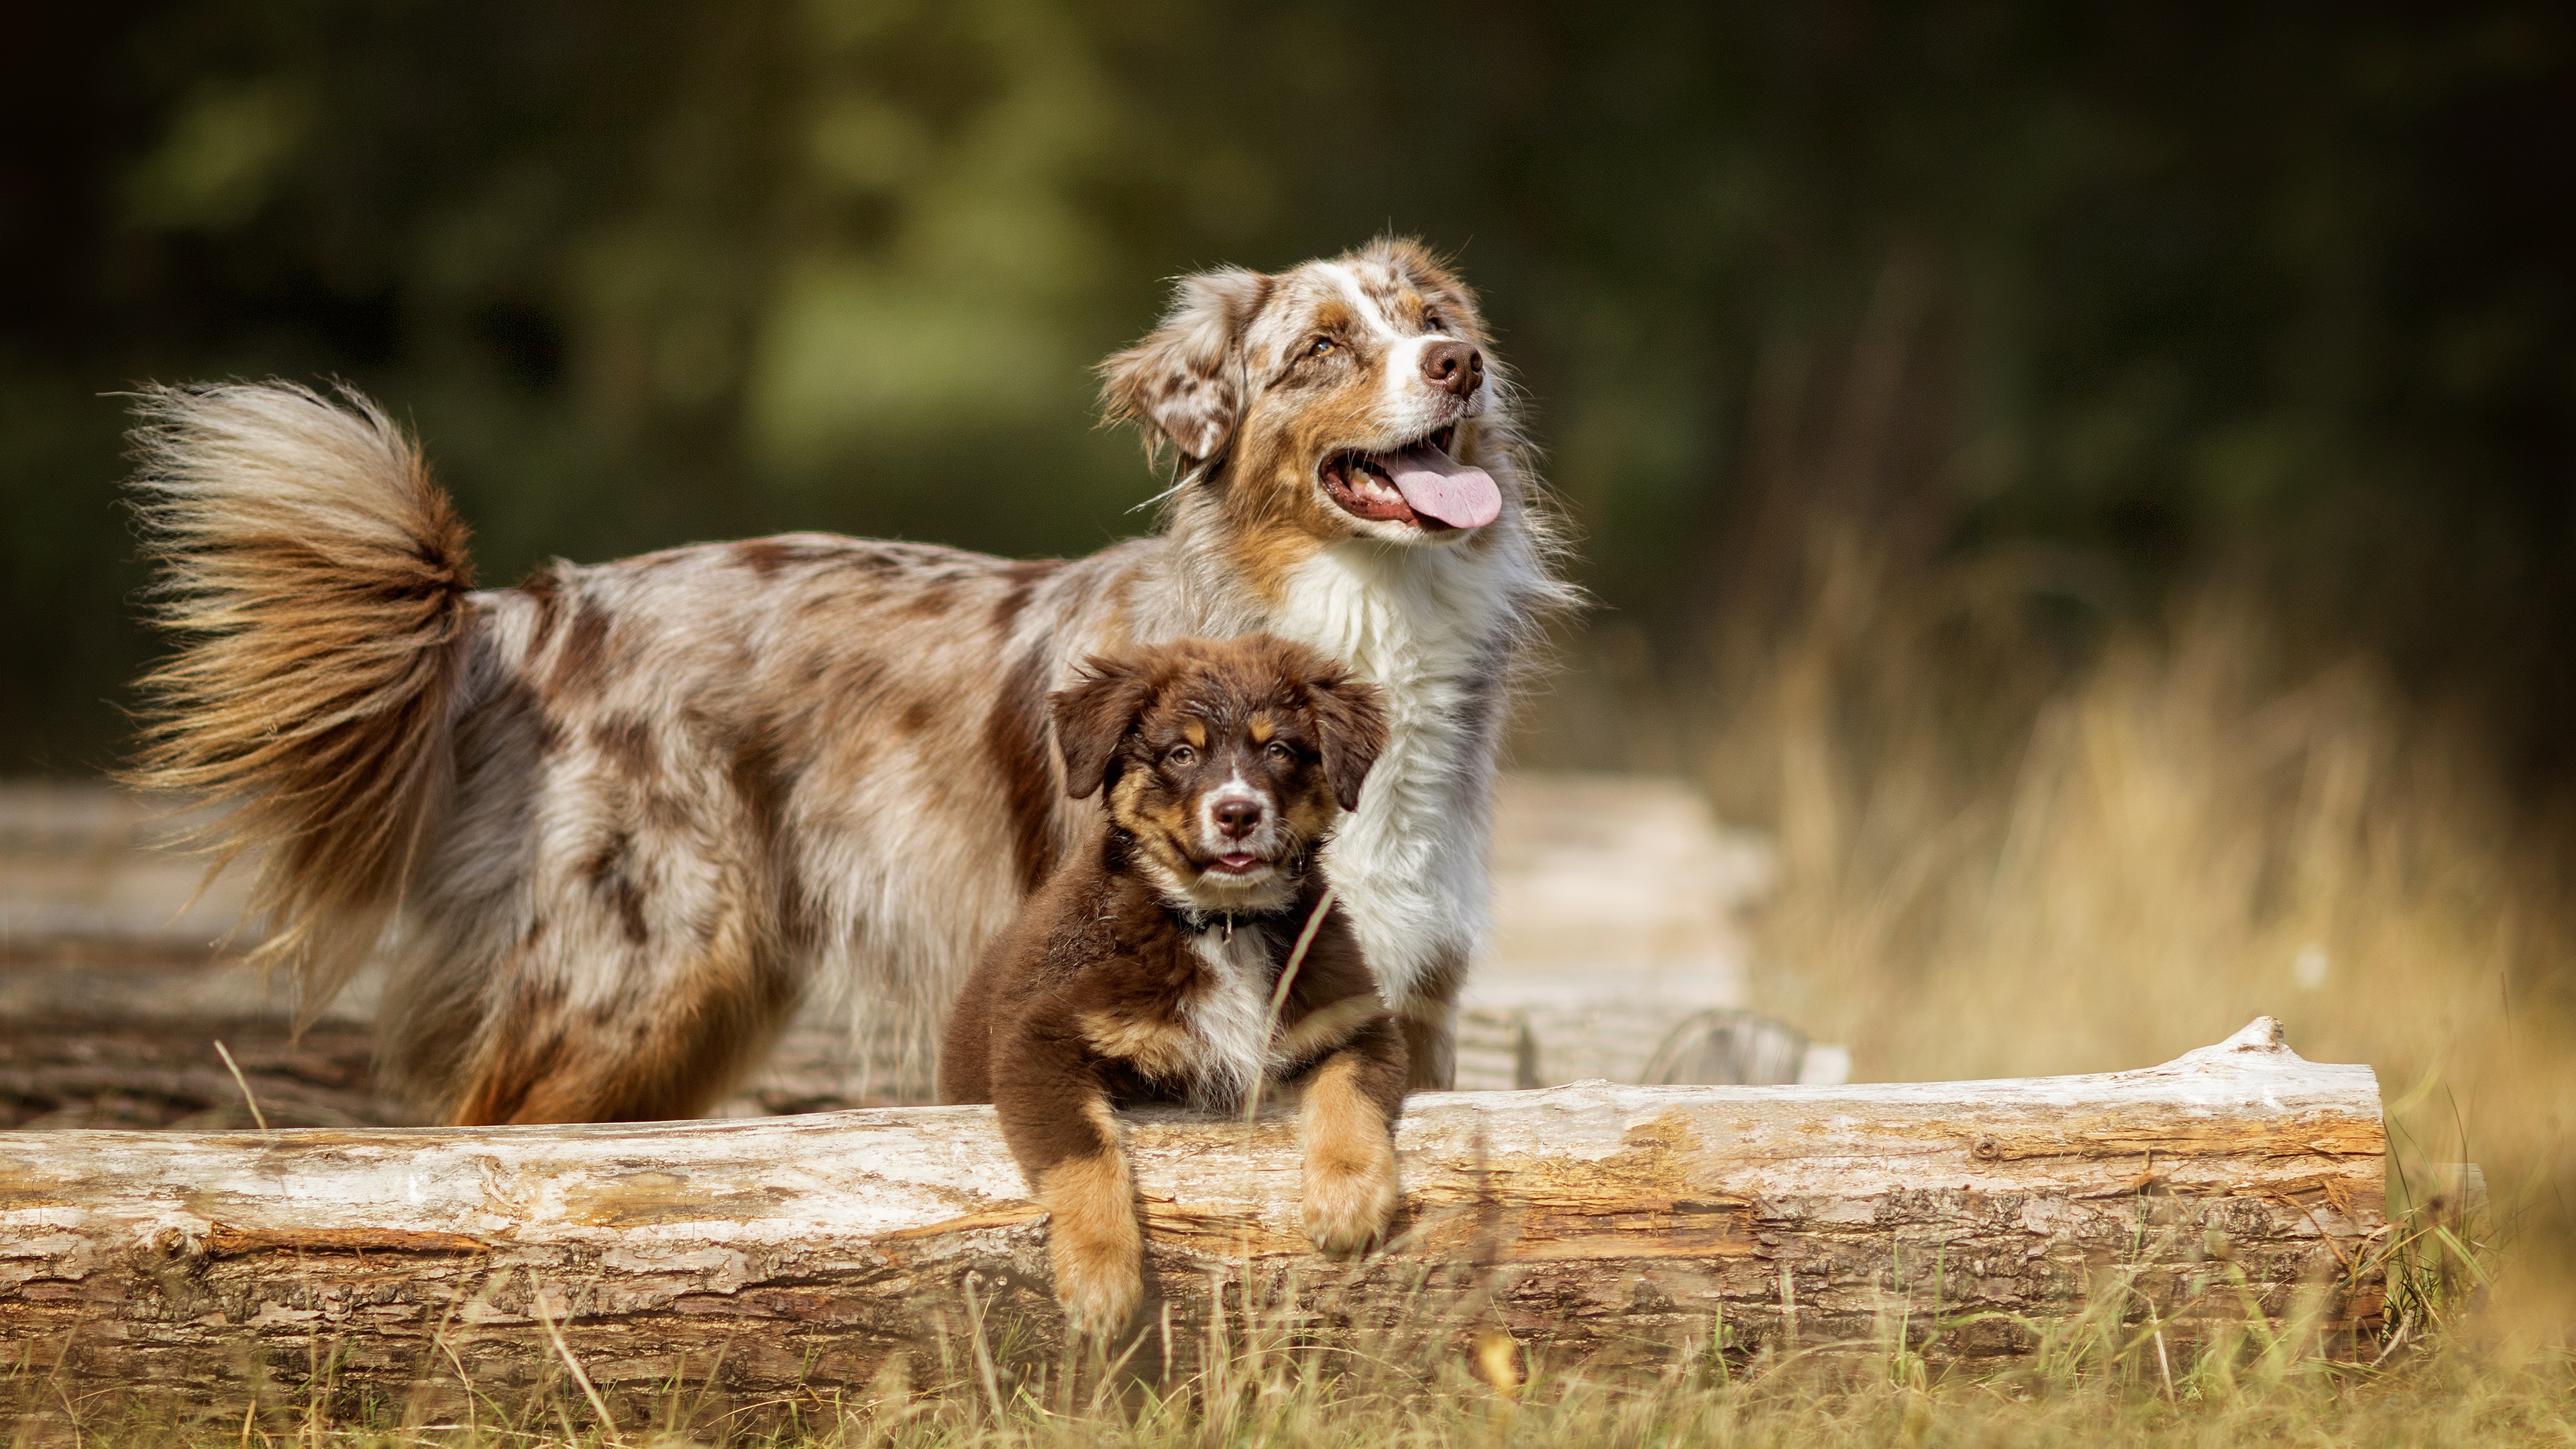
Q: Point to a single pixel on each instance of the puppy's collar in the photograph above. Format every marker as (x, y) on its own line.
(1202, 918)
(1199, 920)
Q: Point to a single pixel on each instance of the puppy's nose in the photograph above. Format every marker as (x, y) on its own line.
(1453, 367)
(1238, 818)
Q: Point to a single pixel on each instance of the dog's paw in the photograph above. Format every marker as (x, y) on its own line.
(1094, 1244)
(1348, 1202)
(1099, 1286)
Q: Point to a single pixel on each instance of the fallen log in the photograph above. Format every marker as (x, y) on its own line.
(764, 1260)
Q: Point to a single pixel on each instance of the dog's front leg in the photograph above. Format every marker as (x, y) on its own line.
(1428, 1014)
(1349, 1124)
(1059, 1126)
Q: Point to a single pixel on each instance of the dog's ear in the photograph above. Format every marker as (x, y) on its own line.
(1184, 384)
(1092, 718)
(1350, 728)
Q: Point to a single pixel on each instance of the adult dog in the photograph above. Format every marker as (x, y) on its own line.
(611, 824)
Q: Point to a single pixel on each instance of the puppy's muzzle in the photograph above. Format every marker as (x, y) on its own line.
(1238, 818)
(1240, 828)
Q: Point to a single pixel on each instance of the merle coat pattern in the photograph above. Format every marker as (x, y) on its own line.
(610, 825)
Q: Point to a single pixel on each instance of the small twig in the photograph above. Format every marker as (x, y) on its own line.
(1297, 953)
(243, 1082)
(1279, 993)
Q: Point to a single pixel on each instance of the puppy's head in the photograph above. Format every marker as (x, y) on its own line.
(1224, 761)
(1354, 397)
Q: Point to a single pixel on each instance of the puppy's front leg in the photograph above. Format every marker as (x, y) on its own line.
(1059, 1127)
(1349, 1121)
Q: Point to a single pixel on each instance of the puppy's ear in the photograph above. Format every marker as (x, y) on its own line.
(1350, 728)
(1092, 718)
(1184, 384)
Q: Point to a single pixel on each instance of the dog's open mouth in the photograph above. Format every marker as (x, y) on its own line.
(1420, 485)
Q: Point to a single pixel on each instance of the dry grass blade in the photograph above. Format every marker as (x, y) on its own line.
(589, 1390)
(1996, 864)
(243, 1082)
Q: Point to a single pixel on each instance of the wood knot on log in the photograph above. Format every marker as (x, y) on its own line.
(175, 1245)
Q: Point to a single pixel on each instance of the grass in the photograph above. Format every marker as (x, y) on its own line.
(1996, 861)
(2091, 1384)
(2133, 861)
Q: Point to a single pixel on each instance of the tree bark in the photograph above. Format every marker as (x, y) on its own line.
(764, 1261)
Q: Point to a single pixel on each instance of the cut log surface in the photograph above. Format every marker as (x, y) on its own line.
(816, 1255)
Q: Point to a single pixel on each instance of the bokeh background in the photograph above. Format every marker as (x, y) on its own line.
(2095, 484)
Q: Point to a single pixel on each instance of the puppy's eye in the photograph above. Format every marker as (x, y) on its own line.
(1431, 322)
(1322, 346)
(1180, 755)
(1279, 752)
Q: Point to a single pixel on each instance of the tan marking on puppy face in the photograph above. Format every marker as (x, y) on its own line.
(1094, 1242)
(1155, 1045)
(1351, 1187)
(1264, 728)
(1160, 823)
(1195, 731)
(1312, 810)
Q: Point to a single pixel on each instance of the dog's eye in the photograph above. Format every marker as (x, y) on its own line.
(1180, 755)
(1431, 322)
(1322, 346)
(1279, 752)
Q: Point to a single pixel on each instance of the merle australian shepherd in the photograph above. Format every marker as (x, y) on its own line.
(1189, 951)
(607, 827)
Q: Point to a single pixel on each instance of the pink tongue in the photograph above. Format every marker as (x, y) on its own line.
(1443, 489)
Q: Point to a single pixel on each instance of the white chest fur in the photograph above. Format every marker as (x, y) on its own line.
(1229, 1018)
(1424, 624)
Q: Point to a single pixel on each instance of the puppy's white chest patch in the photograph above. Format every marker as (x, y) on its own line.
(1229, 1016)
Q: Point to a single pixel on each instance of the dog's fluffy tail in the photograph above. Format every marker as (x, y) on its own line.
(316, 579)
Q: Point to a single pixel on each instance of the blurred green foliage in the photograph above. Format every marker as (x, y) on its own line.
(2151, 290)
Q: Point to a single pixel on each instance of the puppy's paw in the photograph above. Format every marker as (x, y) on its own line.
(1094, 1244)
(1099, 1284)
(1349, 1199)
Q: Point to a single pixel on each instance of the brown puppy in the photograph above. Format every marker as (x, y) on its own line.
(1149, 966)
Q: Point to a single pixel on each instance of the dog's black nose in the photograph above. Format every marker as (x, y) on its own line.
(1238, 818)
(1453, 367)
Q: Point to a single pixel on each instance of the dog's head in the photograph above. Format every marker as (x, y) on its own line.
(1225, 761)
(1355, 397)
